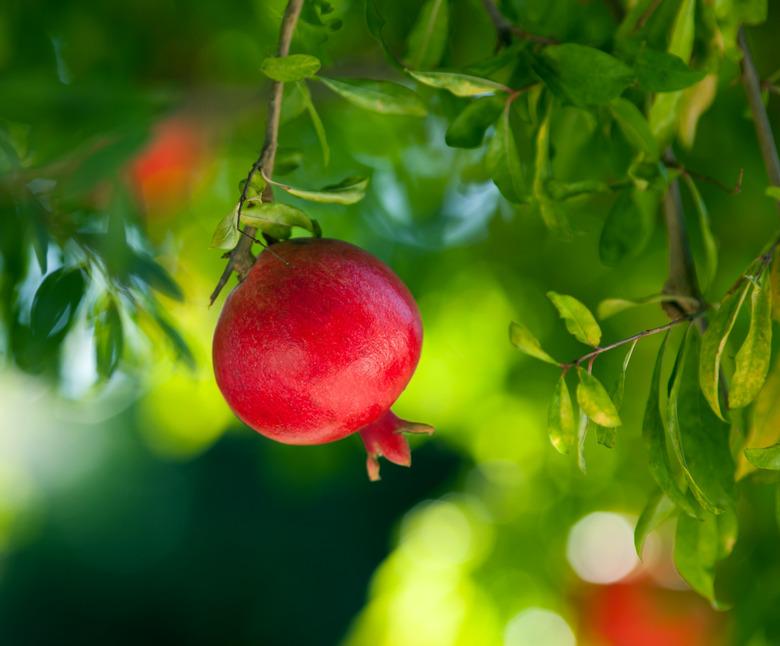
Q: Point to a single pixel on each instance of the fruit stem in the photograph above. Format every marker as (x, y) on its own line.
(384, 438)
(241, 258)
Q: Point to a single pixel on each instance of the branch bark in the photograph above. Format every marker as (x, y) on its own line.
(240, 258)
(752, 85)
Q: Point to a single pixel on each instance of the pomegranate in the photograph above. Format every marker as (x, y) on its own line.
(317, 343)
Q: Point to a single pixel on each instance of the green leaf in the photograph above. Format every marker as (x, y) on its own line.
(635, 127)
(319, 128)
(56, 301)
(708, 239)
(294, 67)
(714, 343)
(699, 545)
(551, 212)
(109, 338)
(765, 458)
(594, 400)
(654, 436)
(503, 163)
(583, 75)
(287, 160)
(625, 230)
(752, 362)
(267, 217)
(664, 72)
(611, 306)
(347, 191)
(699, 440)
(579, 321)
(147, 269)
(467, 130)
(428, 37)
(657, 509)
(773, 192)
(607, 436)
(560, 419)
(526, 342)
(376, 23)
(178, 344)
(226, 234)
(464, 85)
(383, 97)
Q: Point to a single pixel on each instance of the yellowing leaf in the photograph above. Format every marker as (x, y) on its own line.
(594, 400)
(578, 318)
(522, 338)
(561, 426)
(458, 84)
(383, 97)
(347, 191)
(752, 362)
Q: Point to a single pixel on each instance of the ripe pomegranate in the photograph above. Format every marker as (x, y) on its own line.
(317, 343)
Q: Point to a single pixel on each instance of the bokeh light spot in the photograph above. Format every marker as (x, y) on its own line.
(600, 547)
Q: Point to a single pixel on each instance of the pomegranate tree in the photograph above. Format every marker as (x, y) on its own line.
(317, 343)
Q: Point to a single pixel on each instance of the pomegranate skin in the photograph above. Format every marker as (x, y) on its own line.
(316, 343)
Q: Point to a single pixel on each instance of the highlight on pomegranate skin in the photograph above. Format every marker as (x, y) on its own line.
(317, 343)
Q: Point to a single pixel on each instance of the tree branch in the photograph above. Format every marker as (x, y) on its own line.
(752, 85)
(682, 271)
(240, 258)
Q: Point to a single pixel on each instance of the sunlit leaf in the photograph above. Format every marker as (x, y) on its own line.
(56, 301)
(526, 342)
(467, 130)
(583, 75)
(595, 401)
(347, 191)
(560, 418)
(275, 214)
(428, 37)
(294, 67)
(578, 318)
(464, 85)
(611, 306)
(765, 458)
(714, 343)
(226, 234)
(664, 72)
(607, 435)
(752, 361)
(383, 97)
(773, 192)
(696, 100)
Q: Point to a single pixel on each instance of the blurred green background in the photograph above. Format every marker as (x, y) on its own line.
(141, 509)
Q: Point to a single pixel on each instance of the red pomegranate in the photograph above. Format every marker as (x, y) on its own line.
(317, 343)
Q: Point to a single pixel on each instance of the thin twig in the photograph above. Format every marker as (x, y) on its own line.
(731, 190)
(591, 356)
(241, 258)
(752, 85)
(506, 30)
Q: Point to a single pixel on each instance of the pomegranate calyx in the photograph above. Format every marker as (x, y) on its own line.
(384, 438)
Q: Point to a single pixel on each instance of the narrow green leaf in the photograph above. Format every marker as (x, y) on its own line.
(635, 127)
(294, 67)
(383, 97)
(611, 306)
(594, 400)
(708, 239)
(698, 547)
(287, 160)
(428, 37)
(348, 191)
(526, 342)
(464, 85)
(376, 24)
(752, 362)
(657, 509)
(655, 439)
(560, 418)
(56, 301)
(503, 163)
(582, 434)
(578, 318)
(699, 440)
(267, 217)
(467, 130)
(625, 231)
(226, 234)
(319, 128)
(583, 75)
(147, 269)
(551, 212)
(765, 458)
(109, 338)
(606, 435)
(664, 72)
(714, 343)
